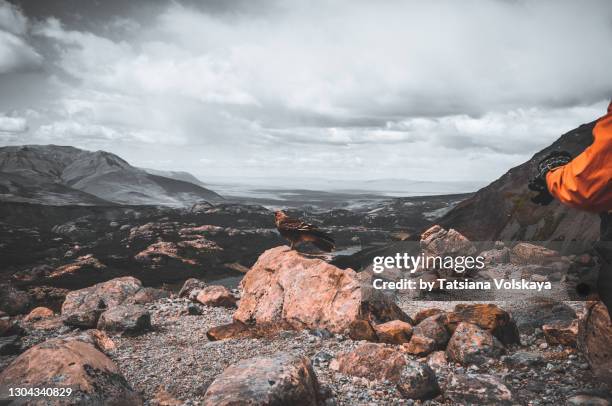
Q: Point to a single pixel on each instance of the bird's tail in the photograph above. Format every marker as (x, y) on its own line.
(323, 241)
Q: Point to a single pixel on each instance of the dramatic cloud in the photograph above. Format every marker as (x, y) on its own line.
(15, 52)
(351, 89)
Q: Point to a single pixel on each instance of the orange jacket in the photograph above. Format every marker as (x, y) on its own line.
(586, 182)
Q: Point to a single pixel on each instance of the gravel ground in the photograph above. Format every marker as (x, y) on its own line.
(178, 357)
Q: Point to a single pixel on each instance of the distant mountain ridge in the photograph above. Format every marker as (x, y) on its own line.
(50, 174)
(503, 210)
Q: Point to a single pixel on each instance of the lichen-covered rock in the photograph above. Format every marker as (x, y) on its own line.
(371, 361)
(472, 345)
(95, 379)
(418, 381)
(282, 379)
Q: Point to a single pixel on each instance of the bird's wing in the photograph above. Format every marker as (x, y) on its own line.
(297, 225)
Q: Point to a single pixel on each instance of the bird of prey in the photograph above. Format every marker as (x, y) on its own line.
(297, 231)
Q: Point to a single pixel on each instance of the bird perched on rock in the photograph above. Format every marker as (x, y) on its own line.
(297, 231)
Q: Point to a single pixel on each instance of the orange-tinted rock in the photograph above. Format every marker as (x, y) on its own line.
(371, 361)
(437, 360)
(216, 296)
(161, 253)
(37, 314)
(83, 307)
(437, 241)
(281, 379)
(487, 316)
(530, 254)
(95, 379)
(563, 333)
(472, 345)
(393, 332)
(419, 345)
(362, 330)
(425, 313)
(595, 341)
(434, 328)
(309, 293)
(237, 329)
(84, 264)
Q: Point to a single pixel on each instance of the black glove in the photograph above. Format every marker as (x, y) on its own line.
(538, 183)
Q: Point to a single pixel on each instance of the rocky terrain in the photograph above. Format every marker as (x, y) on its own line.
(299, 330)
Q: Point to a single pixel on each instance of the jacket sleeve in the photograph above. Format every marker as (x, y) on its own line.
(586, 182)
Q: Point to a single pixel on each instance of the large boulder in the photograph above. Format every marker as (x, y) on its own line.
(365, 361)
(56, 363)
(282, 379)
(595, 340)
(472, 345)
(83, 307)
(285, 286)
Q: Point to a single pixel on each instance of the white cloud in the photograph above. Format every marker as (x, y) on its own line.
(15, 52)
(13, 124)
(12, 19)
(346, 88)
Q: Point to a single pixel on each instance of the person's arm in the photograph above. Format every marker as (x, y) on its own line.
(586, 182)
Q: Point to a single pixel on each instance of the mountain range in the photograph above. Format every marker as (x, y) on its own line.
(59, 175)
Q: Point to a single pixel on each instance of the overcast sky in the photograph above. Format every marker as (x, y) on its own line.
(337, 89)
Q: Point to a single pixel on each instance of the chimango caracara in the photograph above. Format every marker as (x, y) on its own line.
(298, 231)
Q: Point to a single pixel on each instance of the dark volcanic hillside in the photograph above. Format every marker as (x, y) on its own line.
(50, 174)
(503, 210)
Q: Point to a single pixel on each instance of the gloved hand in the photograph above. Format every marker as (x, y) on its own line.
(553, 160)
